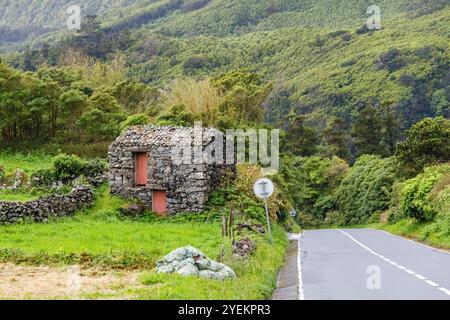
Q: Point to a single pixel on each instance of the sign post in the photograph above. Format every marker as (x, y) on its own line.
(263, 189)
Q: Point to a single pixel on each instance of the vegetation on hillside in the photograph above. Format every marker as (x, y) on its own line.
(364, 118)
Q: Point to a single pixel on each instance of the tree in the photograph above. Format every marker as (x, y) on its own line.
(135, 120)
(73, 103)
(243, 96)
(103, 117)
(301, 140)
(391, 131)
(176, 116)
(337, 136)
(368, 133)
(101, 125)
(441, 103)
(427, 143)
(366, 189)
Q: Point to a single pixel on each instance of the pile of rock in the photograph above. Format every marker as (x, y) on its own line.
(48, 207)
(244, 247)
(18, 180)
(189, 261)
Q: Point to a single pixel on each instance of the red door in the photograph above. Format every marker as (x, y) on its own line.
(141, 168)
(159, 202)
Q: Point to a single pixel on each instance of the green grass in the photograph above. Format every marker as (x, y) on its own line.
(99, 237)
(429, 233)
(256, 278)
(27, 162)
(20, 195)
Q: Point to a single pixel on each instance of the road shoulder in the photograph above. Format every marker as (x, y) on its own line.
(288, 278)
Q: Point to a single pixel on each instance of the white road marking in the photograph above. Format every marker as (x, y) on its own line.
(301, 294)
(431, 283)
(444, 290)
(427, 281)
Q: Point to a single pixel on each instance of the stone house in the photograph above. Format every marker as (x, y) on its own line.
(158, 165)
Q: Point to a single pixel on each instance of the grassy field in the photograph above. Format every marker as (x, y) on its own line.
(100, 238)
(27, 162)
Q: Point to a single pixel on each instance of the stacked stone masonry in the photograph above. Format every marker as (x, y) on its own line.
(187, 185)
(53, 206)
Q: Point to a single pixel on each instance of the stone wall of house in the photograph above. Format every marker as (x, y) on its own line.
(187, 186)
(53, 206)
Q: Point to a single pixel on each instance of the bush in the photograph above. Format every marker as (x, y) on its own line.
(366, 189)
(334, 218)
(309, 182)
(42, 178)
(427, 143)
(416, 195)
(93, 168)
(67, 167)
(135, 120)
(307, 220)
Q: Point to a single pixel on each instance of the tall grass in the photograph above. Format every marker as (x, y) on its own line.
(199, 97)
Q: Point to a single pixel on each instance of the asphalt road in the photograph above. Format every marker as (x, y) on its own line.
(370, 264)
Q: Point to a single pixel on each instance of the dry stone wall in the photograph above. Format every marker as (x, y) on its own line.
(53, 206)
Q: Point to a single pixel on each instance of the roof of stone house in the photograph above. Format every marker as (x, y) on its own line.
(165, 136)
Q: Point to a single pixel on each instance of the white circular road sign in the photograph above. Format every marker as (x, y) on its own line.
(263, 188)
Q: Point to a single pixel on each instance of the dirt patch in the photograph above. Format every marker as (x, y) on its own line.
(26, 282)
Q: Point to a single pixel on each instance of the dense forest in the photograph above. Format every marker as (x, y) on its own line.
(364, 113)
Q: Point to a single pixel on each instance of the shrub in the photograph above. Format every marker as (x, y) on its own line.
(309, 182)
(427, 143)
(42, 178)
(391, 60)
(366, 189)
(416, 195)
(135, 120)
(67, 167)
(334, 218)
(95, 167)
(307, 220)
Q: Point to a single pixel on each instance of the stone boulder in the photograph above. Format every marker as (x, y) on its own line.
(20, 179)
(189, 261)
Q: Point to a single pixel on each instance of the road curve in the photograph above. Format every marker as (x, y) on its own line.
(360, 264)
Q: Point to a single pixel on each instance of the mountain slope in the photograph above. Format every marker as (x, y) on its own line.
(200, 17)
(319, 55)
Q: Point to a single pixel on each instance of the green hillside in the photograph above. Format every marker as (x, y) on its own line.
(28, 19)
(318, 56)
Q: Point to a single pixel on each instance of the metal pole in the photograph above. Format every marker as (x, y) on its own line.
(268, 219)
